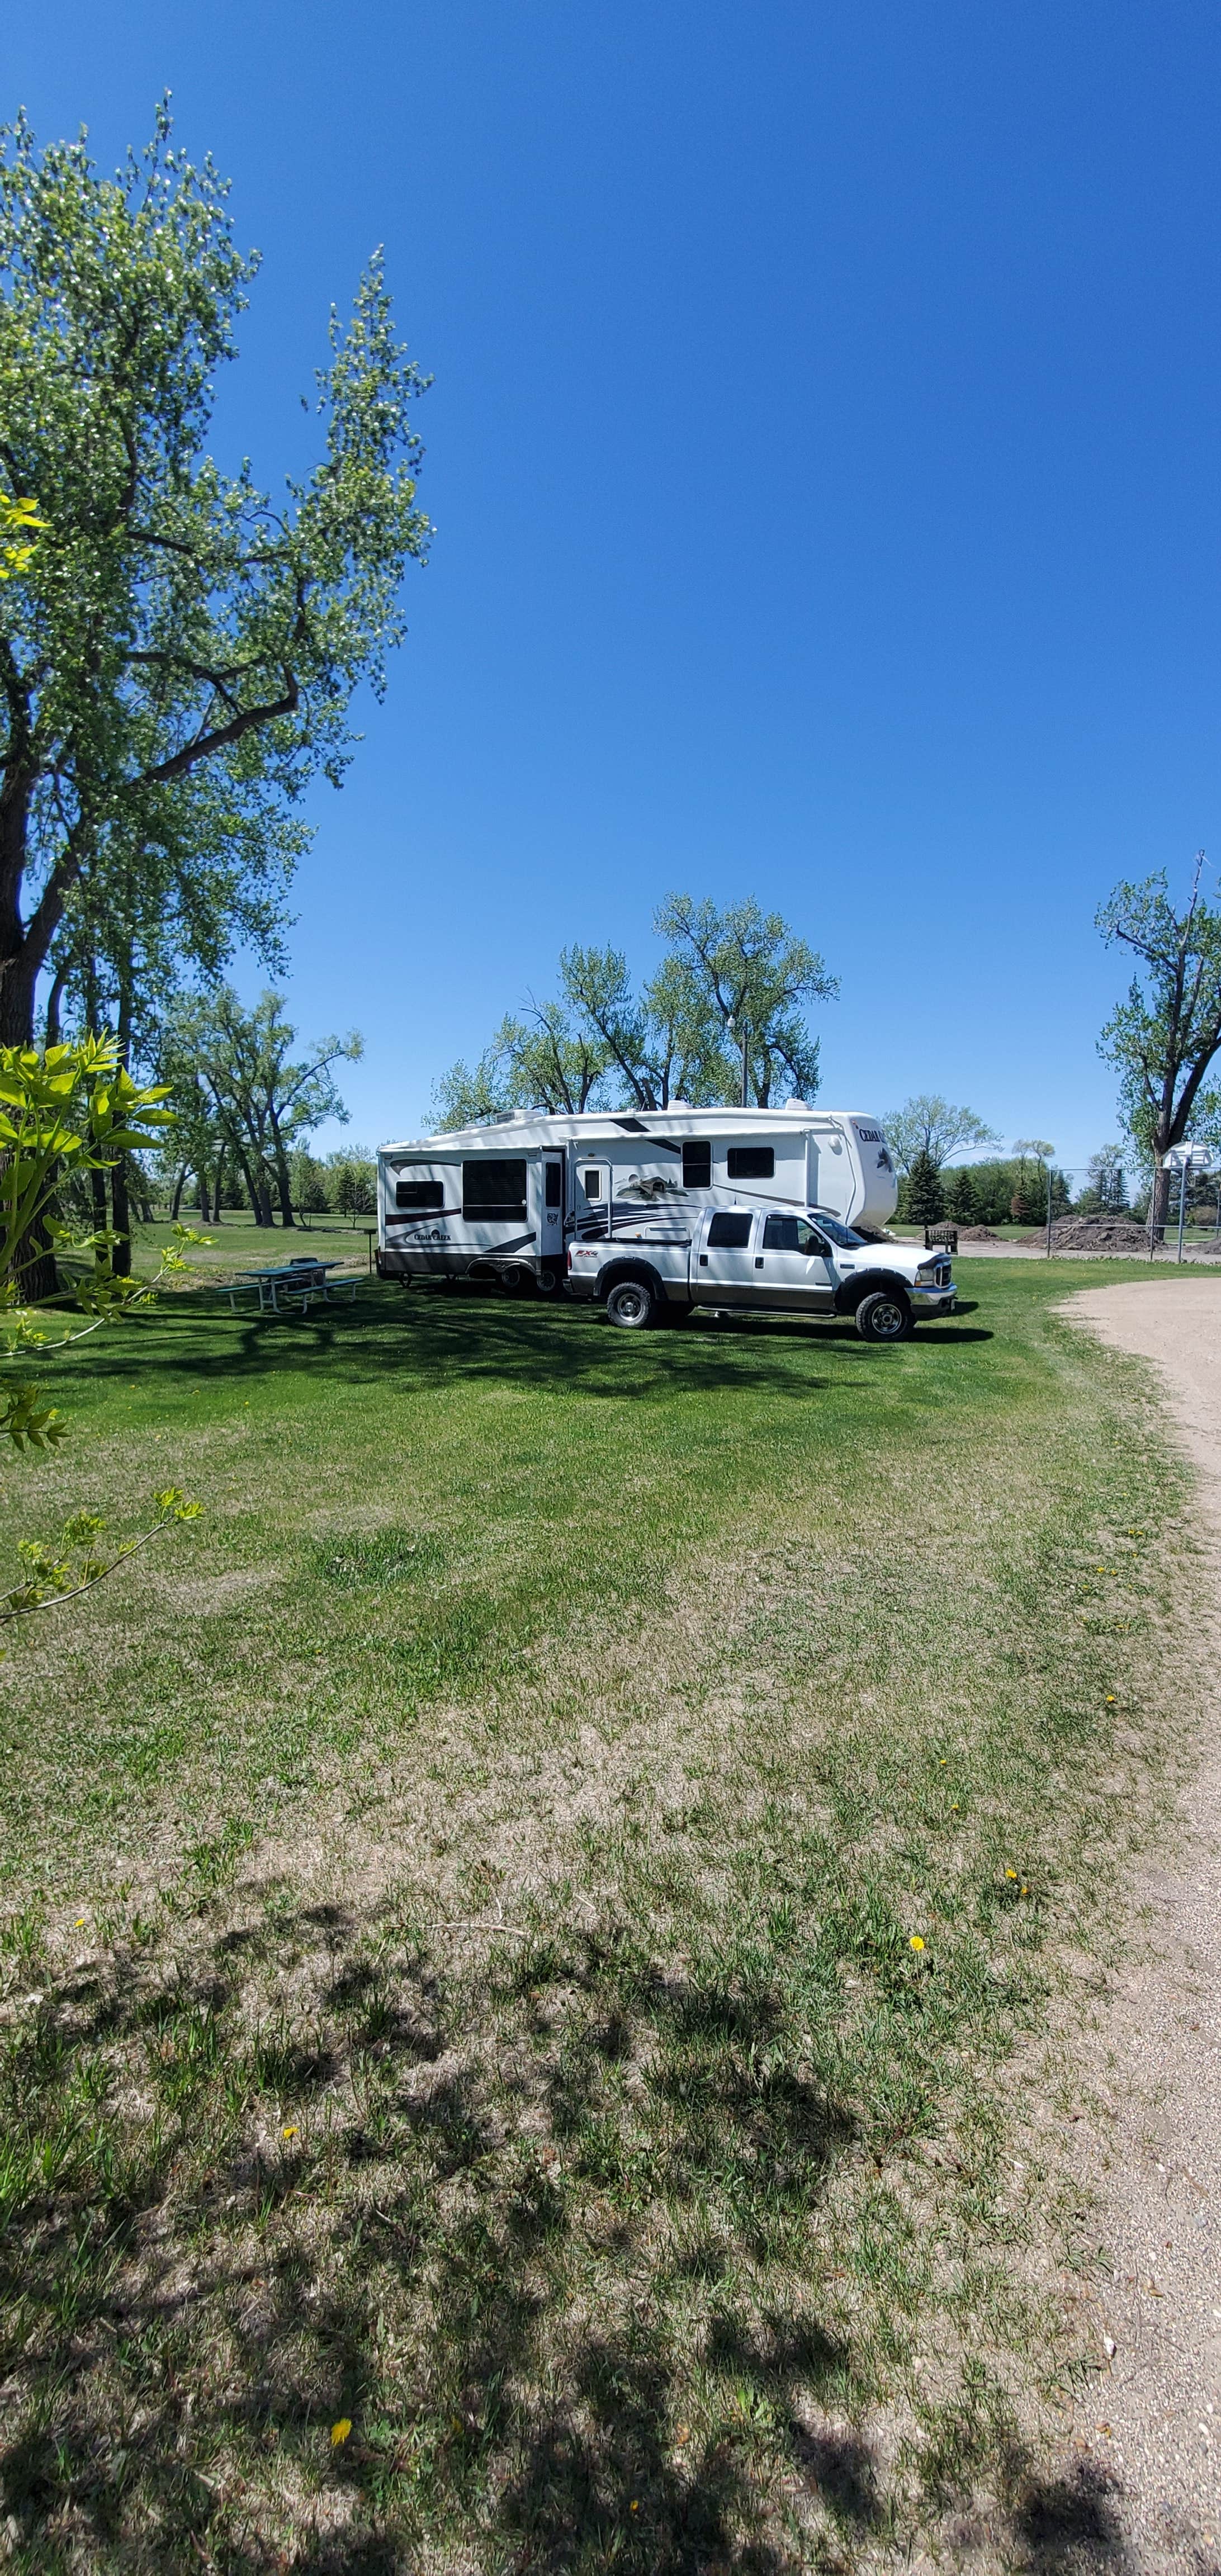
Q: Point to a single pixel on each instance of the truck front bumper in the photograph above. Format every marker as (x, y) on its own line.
(934, 1301)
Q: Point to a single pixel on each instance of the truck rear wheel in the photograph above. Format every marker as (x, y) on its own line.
(884, 1317)
(631, 1305)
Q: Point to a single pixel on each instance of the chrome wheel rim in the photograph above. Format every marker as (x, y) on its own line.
(888, 1320)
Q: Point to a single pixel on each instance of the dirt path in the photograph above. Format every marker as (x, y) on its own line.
(1157, 2425)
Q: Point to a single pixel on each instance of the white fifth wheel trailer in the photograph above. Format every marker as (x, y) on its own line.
(506, 1200)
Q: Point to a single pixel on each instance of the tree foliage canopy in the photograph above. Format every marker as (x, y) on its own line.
(1165, 1034)
(243, 1084)
(934, 1127)
(741, 974)
(171, 617)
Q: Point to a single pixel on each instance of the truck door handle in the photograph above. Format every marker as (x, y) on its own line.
(758, 1261)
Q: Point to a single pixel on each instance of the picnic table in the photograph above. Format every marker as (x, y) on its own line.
(290, 1283)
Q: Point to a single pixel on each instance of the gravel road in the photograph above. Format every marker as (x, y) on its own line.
(1153, 2439)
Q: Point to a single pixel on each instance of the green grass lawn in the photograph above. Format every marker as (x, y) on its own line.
(540, 1930)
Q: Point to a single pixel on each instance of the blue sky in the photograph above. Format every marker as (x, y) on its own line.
(824, 456)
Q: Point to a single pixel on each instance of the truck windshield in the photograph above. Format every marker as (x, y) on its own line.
(841, 1234)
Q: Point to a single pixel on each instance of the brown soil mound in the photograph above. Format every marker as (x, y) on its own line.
(1093, 1234)
(977, 1234)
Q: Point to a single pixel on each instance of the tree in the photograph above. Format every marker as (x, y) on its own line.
(727, 978)
(543, 1062)
(667, 1045)
(1165, 1034)
(959, 1192)
(64, 1113)
(169, 621)
(263, 1099)
(1106, 1181)
(19, 526)
(352, 1183)
(750, 973)
(1028, 1204)
(929, 1125)
(308, 1177)
(924, 1203)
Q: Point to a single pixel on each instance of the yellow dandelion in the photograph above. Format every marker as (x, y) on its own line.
(1011, 1873)
(1110, 1699)
(917, 1940)
(340, 2431)
(1025, 1891)
(80, 1923)
(633, 2507)
(288, 2133)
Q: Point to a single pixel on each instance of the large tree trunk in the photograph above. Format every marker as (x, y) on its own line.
(1159, 1203)
(205, 1203)
(176, 1201)
(283, 1180)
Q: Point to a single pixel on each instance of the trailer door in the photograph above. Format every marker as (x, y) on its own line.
(593, 1199)
(551, 1213)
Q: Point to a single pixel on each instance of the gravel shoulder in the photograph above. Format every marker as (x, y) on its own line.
(1154, 2437)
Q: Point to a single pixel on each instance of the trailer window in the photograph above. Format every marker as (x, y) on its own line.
(731, 1233)
(552, 1185)
(591, 1183)
(494, 1189)
(697, 1167)
(751, 1162)
(419, 1194)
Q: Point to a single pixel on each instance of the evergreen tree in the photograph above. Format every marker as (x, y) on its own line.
(924, 1194)
(959, 1187)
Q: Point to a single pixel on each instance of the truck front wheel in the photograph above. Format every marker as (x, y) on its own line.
(884, 1317)
(631, 1305)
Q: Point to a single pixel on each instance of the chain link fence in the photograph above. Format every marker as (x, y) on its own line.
(1060, 1209)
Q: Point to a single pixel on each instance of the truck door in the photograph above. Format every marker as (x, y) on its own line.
(551, 1212)
(593, 1199)
(724, 1273)
(792, 1266)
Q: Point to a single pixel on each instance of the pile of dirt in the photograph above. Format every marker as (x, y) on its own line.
(1117, 1234)
(977, 1234)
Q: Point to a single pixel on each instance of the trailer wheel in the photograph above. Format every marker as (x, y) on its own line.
(631, 1305)
(884, 1317)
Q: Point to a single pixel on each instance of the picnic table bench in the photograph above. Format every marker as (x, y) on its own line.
(291, 1283)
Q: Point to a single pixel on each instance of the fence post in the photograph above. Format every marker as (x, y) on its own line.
(1047, 1255)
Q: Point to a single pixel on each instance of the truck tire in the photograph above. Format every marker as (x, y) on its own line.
(884, 1317)
(632, 1305)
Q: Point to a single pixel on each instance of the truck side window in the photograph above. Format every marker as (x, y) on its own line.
(780, 1234)
(751, 1162)
(791, 1234)
(697, 1167)
(730, 1232)
(419, 1194)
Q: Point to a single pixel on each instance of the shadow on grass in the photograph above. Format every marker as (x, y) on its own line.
(538, 2232)
(429, 1338)
(371, 2214)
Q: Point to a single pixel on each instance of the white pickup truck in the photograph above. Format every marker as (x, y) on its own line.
(751, 1258)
